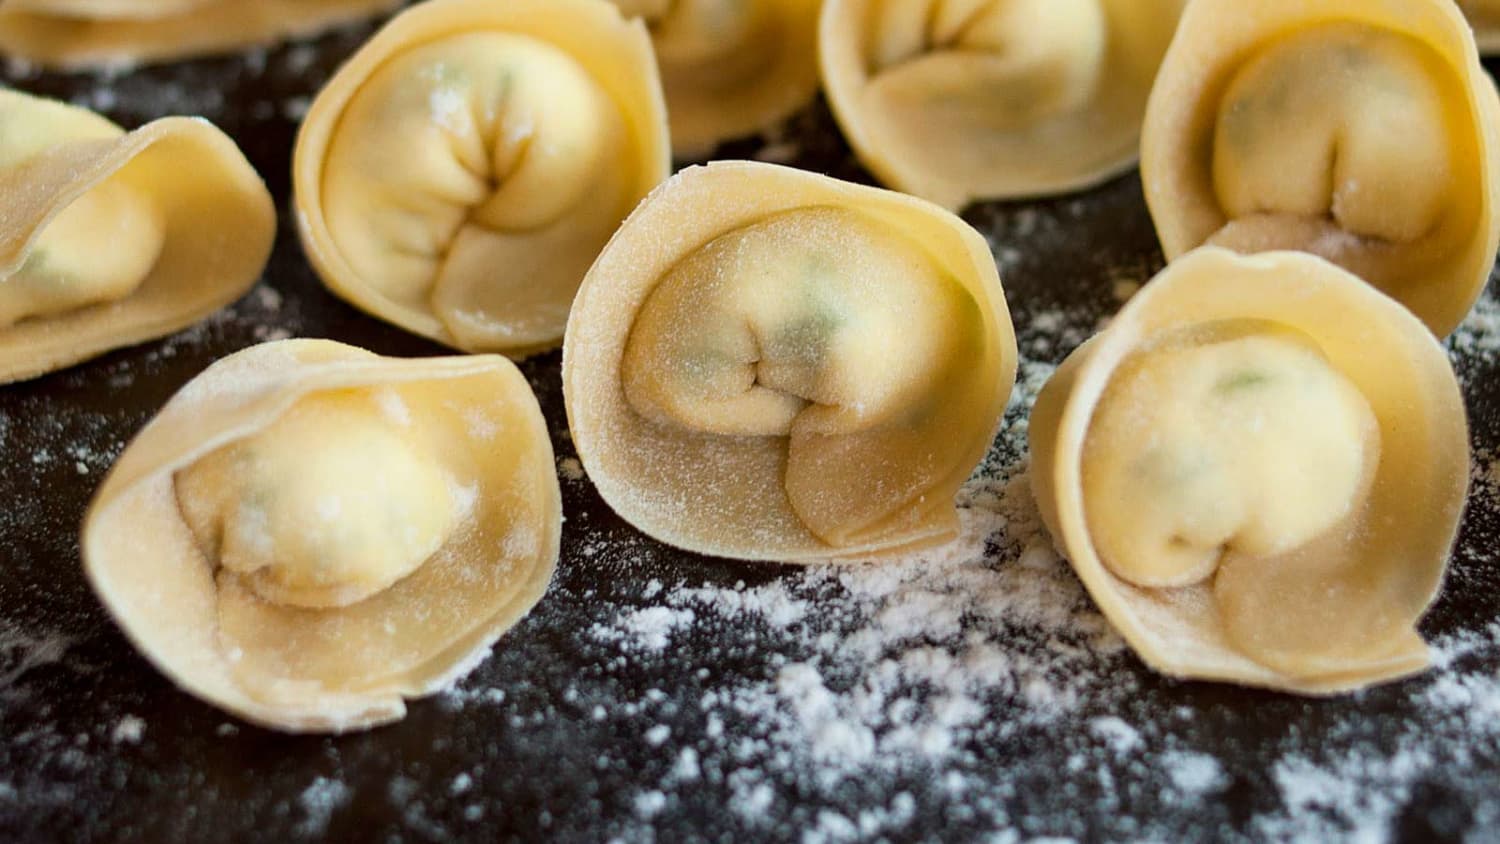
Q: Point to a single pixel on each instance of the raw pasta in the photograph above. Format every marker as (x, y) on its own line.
(113, 238)
(1258, 471)
(87, 33)
(309, 533)
(730, 67)
(1366, 133)
(771, 364)
(460, 173)
(962, 100)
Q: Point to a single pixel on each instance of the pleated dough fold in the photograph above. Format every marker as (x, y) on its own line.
(1258, 472)
(1366, 133)
(964, 100)
(88, 33)
(309, 533)
(112, 238)
(770, 364)
(730, 67)
(461, 172)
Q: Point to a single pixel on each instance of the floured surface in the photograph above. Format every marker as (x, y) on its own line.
(651, 697)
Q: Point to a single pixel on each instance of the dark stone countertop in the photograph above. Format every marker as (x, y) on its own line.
(655, 695)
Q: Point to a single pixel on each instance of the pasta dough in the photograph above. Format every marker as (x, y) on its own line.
(112, 239)
(961, 100)
(309, 533)
(1258, 471)
(84, 33)
(730, 68)
(460, 173)
(771, 364)
(1366, 133)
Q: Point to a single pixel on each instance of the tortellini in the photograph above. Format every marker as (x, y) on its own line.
(309, 533)
(461, 172)
(1366, 133)
(771, 364)
(109, 239)
(1484, 16)
(961, 100)
(1258, 471)
(730, 67)
(83, 33)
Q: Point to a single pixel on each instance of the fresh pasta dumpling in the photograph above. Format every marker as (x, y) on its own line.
(1484, 16)
(111, 238)
(962, 100)
(1258, 471)
(1365, 133)
(461, 172)
(730, 67)
(85, 33)
(766, 363)
(308, 533)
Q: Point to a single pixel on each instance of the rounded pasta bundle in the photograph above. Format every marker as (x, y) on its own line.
(1365, 133)
(309, 533)
(730, 68)
(86, 33)
(962, 100)
(112, 238)
(771, 364)
(1258, 471)
(461, 172)
(1484, 16)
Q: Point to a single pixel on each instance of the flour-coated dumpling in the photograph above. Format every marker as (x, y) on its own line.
(461, 172)
(961, 100)
(308, 533)
(1484, 16)
(1367, 133)
(771, 364)
(730, 67)
(1258, 471)
(85, 33)
(111, 238)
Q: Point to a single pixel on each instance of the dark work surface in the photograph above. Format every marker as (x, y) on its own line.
(579, 728)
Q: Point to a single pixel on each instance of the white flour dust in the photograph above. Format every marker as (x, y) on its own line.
(130, 729)
(934, 692)
(921, 665)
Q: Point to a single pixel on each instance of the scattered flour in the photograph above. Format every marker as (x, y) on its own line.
(1477, 340)
(318, 802)
(570, 469)
(130, 729)
(933, 663)
(24, 651)
(648, 804)
(1121, 738)
(648, 630)
(875, 693)
(658, 735)
(1193, 775)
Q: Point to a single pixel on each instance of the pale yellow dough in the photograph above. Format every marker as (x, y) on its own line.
(770, 364)
(461, 172)
(963, 100)
(329, 505)
(730, 67)
(87, 33)
(1258, 471)
(1366, 133)
(309, 534)
(110, 239)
